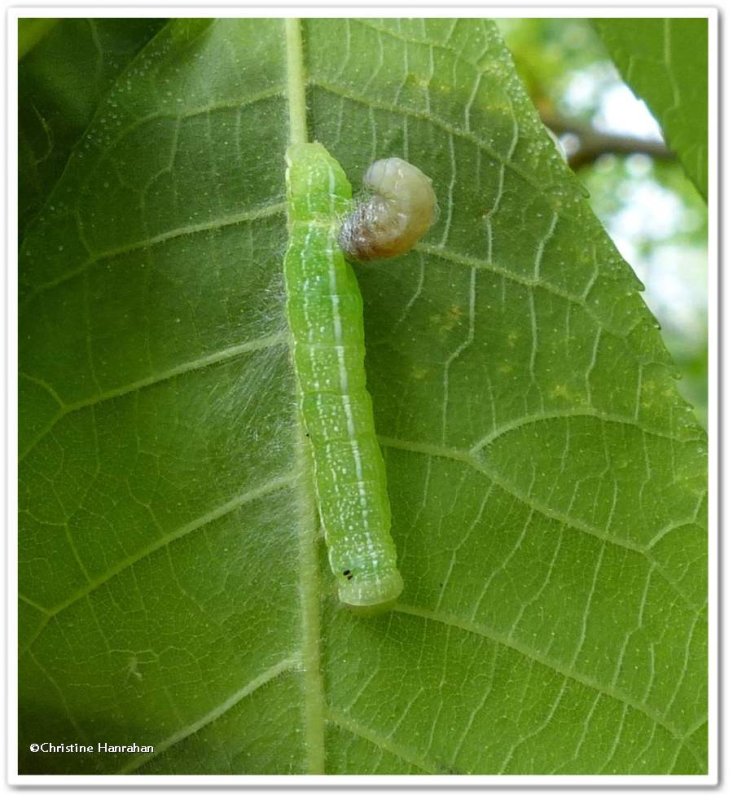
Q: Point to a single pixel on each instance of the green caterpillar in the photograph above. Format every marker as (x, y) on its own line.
(324, 310)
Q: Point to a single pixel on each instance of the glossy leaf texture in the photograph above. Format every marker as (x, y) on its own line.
(547, 482)
(665, 62)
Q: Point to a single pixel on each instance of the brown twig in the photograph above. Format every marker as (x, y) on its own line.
(592, 144)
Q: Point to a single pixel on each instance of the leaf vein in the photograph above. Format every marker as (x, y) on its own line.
(269, 210)
(268, 675)
(218, 357)
(405, 754)
(212, 515)
(588, 682)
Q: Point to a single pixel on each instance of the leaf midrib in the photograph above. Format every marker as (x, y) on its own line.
(314, 701)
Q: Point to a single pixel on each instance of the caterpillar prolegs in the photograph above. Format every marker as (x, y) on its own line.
(324, 310)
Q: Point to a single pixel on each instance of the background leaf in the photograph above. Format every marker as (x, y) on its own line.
(30, 33)
(60, 85)
(665, 62)
(547, 482)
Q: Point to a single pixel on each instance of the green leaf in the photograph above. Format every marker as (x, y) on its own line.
(30, 33)
(547, 482)
(665, 61)
(60, 85)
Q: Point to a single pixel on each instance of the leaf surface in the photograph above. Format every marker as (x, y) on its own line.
(547, 482)
(61, 83)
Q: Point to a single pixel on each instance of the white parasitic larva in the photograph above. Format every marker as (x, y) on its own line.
(397, 214)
